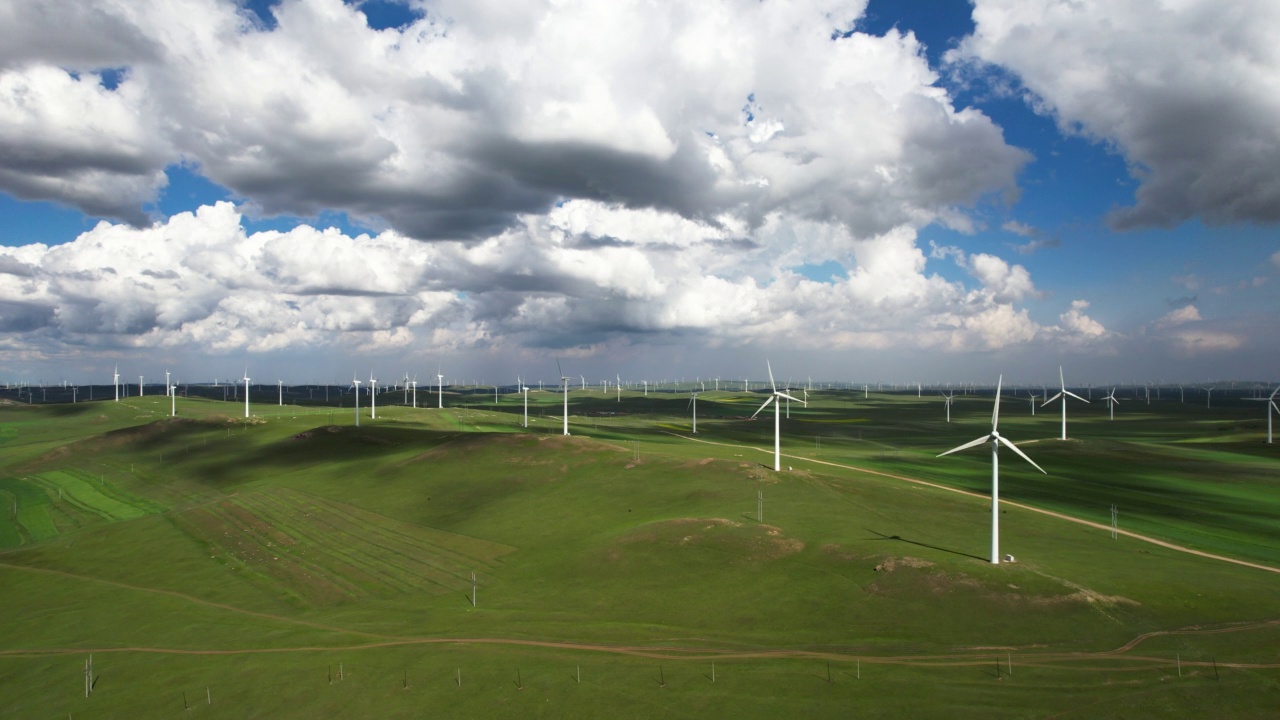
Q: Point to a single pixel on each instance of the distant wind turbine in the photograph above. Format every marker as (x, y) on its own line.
(948, 399)
(140, 386)
(1111, 400)
(1063, 393)
(439, 389)
(246, 393)
(115, 382)
(776, 398)
(280, 388)
(564, 383)
(996, 439)
(356, 384)
(524, 389)
(373, 397)
(693, 402)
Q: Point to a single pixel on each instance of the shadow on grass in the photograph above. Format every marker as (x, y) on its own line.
(899, 538)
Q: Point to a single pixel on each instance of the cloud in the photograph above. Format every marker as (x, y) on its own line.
(1180, 316)
(1008, 283)
(1076, 322)
(479, 114)
(1188, 92)
(587, 275)
(1018, 228)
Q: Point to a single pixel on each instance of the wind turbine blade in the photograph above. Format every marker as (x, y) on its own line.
(1062, 379)
(1273, 392)
(1021, 454)
(558, 369)
(802, 402)
(1055, 397)
(995, 412)
(771, 383)
(1075, 396)
(766, 404)
(966, 446)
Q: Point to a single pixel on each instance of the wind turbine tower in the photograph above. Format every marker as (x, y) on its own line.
(246, 394)
(564, 384)
(115, 382)
(439, 390)
(1063, 393)
(776, 398)
(996, 439)
(356, 384)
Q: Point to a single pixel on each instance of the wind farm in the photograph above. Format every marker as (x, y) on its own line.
(916, 210)
(313, 540)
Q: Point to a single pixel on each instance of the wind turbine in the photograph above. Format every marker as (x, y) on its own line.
(373, 397)
(414, 384)
(693, 402)
(619, 386)
(167, 388)
(279, 387)
(356, 383)
(173, 399)
(1111, 403)
(1034, 397)
(439, 389)
(115, 382)
(564, 383)
(1063, 393)
(948, 399)
(996, 439)
(524, 389)
(646, 387)
(777, 417)
(246, 393)
(139, 386)
(1271, 405)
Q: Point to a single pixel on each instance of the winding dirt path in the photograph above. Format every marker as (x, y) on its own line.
(1023, 506)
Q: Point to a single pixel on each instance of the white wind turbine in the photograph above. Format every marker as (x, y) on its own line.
(439, 389)
(280, 388)
(996, 439)
(1271, 405)
(776, 398)
(1111, 403)
(619, 386)
(1034, 397)
(115, 382)
(167, 387)
(693, 402)
(564, 383)
(173, 398)
(949, 399)
(139, 386)
(373, 397)
(1063, 393)
(524, 389)
(246, 392)
(356, 383)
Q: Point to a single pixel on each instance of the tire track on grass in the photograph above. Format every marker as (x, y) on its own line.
(198, 601)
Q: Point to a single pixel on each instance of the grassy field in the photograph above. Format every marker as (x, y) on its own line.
(294, 565)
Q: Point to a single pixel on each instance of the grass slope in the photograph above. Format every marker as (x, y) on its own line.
(290, 566)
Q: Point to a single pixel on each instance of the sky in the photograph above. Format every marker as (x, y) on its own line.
(936, 191)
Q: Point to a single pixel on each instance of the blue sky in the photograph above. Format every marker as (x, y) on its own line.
(926, 226)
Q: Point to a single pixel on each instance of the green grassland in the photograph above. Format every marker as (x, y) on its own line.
(295, 565)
